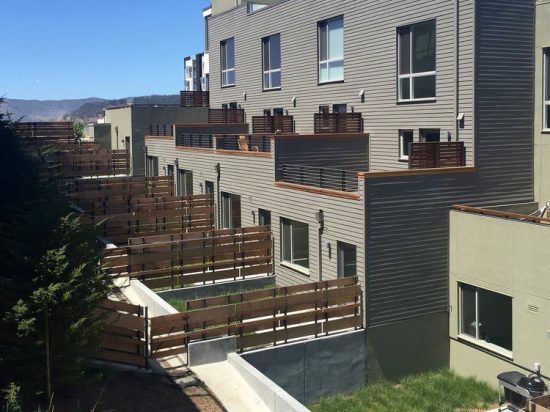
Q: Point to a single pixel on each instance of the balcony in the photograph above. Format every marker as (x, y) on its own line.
(195, 99)
(436, 155)
(205, 141)
(244, 143)
(226, 116)
(337, 123)
(272, 124)
(321, 177)
(161, 130)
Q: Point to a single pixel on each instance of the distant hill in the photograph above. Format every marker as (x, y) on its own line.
(86, 109)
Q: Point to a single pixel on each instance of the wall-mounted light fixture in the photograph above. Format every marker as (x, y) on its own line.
(449, 136)
(177, 163)
(286, 112)
(293, 101)
(244, 96)
(362, 95)
(253, 212)
(352, 109)
(217, 169)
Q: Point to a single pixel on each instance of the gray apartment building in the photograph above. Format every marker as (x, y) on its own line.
(369, 120)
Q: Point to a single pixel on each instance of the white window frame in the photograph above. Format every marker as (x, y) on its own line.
(340, 258)
(266, 42)
(328, 61)
(402, 156)
(412, 75)
(476, 340)
(226, 70)
(545, 82)
(290, 263)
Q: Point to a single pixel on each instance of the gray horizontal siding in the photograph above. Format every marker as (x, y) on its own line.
(370, 65)
(252, 178)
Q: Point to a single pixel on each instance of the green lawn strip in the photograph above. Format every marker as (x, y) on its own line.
(438, 391)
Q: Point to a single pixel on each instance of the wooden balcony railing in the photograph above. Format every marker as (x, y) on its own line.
(272, 124)
(226, 116)
(245, 143)
(161, 130)
(435, 155)
(338, 123)
(195, 99)
(195, 140)
(322, 177)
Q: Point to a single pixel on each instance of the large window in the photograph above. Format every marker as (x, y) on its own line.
(406, 137)
(547, 89)
(331, 50)
(486, 316)
(295, 243)
(347, 260)
(416, 61)
(271, 51)
(231, 211)
(227, 56)
(185, 182)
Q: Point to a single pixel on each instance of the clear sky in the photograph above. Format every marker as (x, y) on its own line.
(67, 49)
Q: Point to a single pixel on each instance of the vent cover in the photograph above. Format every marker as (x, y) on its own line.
(533, 308)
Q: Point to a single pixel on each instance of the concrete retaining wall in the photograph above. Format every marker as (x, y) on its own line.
(217, 289)
(275, 398)
(139, 294)
(211, 350)
(315, 368)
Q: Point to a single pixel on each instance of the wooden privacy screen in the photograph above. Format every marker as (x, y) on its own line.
(270, 124)
(186, 259)
(90, 162)
(264, 317)
(125, 337)
(437, 154)
(46, 130)
(146, 216)
(337, 123)
(87, 192)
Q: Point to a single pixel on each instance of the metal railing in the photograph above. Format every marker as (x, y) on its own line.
(321, 177)
(195, 140)
(337, 123)
(195, 99)
(250, 143)
(161, 130)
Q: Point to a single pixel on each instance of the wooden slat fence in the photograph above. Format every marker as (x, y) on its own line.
(86, 192)
(90, 162)
(261, 318)
(337, 123)
(437, 154)
(226, 116)
(125, 338)
(270, 124)
(186, 259)
(48, 130)
(148, 216)
(195, 99)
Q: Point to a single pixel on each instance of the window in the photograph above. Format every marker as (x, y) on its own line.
(406, 137)
(264, 217)
(231, 211)
(208, 187)
(227, 55)
(546, 105)
(486, 316)
(324, 109)
(340, 108)
(347, 260)
(295, 243)
(271, 51)
(185, 182)
(152, 166)
(416, 61)
(278, 111)
(331, 50)
(170, 170)
(430, 135)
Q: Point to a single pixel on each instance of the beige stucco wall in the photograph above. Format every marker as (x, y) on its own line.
(510, 257)
(542, 139)
(121, 125)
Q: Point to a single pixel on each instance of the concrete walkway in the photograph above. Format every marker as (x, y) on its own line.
(230, 388)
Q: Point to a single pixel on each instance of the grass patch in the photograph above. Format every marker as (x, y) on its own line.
(178, 304)
(439, 391)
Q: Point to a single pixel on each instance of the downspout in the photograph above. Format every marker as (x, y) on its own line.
(320, 216)
(217, 168)
(457, 68)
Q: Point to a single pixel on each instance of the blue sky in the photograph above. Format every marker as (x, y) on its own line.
(67, 49)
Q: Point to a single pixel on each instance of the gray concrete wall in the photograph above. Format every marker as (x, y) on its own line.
(315, 368)
(210, 351)
(542, 138)
(217, 289)
(370, 50)
(509, 257)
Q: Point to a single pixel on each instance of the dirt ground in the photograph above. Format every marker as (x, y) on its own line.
(129, 391)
